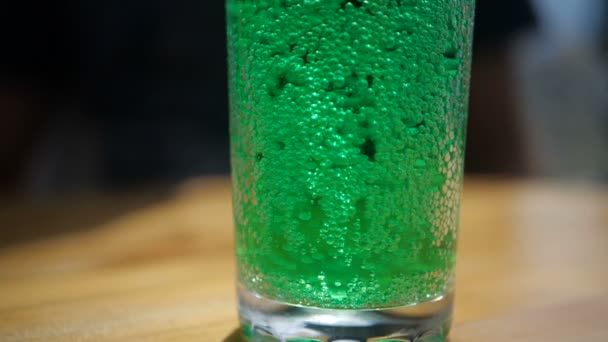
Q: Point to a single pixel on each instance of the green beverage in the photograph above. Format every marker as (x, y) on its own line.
(347, 130)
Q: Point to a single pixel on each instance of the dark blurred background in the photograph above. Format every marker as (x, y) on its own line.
(98, 95)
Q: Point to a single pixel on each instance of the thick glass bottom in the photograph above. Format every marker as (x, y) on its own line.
(267, 320)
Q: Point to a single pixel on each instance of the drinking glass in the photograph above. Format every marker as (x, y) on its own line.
(347, 124)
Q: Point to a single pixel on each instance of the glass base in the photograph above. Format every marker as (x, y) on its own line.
(266, 320)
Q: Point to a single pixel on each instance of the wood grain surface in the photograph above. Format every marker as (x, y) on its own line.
(158, 266)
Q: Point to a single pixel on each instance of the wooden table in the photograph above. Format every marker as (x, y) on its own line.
(533, 265)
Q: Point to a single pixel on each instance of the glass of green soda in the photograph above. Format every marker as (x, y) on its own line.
(347, 124)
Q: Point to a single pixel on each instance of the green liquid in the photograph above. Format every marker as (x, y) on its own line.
(347, 126)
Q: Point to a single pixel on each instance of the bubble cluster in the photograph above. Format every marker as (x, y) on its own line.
(347, 126)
